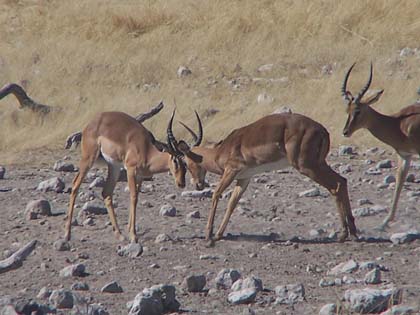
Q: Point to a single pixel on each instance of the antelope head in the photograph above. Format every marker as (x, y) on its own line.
(198, 173)
(356, 107)
(177, 150)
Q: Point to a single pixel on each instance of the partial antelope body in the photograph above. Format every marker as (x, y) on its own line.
(270, 143)
(401, 130)
(124, 142)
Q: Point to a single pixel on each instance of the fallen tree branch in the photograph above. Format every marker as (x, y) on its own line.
(76, 138)
(24, 100)
(16, 260)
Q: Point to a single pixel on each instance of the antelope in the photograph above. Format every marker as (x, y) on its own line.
(124, 142)
(401, 131)
(270, 143)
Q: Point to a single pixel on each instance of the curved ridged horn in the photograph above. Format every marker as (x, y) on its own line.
(172, 142)
(344, 91)
(197, 138)
(366, 87)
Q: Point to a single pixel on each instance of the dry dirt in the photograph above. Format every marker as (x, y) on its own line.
(256, 244)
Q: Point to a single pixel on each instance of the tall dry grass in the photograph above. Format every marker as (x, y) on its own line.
(91, 56)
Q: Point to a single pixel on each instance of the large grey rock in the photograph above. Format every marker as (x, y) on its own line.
(406, 237)
(243, 296)
(344, 267)
(62, 299)
(63, 166)
(205, 193)
(226, 277)
(36, 208)
(369, 300)
(194, 283)
(290, 294)
(168, 211)
(76, 270)
(251, 282)
(131, 250)
(53, 184)
(328, 309)
(92, 208)
(112, 287)
(155, 301)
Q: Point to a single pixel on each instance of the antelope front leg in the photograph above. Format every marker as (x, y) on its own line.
(238, 191)
(134, 188)
(225, 181)
(403, 166)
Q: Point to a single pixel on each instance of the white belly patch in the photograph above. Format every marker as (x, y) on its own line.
(112, 161)
(268, 167)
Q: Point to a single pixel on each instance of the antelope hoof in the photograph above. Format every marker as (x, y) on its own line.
(382, 227)
(119, 236)
(210, 243)
(343, 236)
(134, 239)
(218, 237)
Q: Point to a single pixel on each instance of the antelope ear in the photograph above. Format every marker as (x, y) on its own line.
(185, 149)
(374, 98)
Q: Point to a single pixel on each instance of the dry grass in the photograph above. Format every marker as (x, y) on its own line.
(99, 55)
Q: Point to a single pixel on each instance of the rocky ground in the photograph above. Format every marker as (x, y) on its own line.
(281, 239)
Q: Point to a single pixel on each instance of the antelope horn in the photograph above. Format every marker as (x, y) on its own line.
(172, 142)
(366, 87)
(197, 138)
(344, 91)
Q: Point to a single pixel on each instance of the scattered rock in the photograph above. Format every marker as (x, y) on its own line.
(2, 172)
(265, 98)
(170, 197)
(251, 282)
(328, 309)
(411, 178)
(131, 250)
(226, 277)
(406, 51)
(384, 164)
(61, 245)
(168, 211)
(36, 208)
(283, 110)
(314, 192)
(161, 238)
(368, 211)
(112, 287)
(364, 201)
(389, 179)
(345, 169)
(373, 277)
(96, 309)
(76, 270)
(194, 283)
(205, 193)
(63, 166)
(55, 184)
(290, 294)
(80, 286)
(62, 299)
(243, 296)
(372, 300)
(44, 293)
(183, 72)
(345, 150)
(265, 68)
(92, 208)
(97, 182)
(345, 267)
(406, 237)
(401, 310)
(194, 215)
